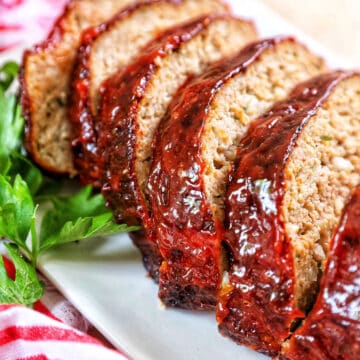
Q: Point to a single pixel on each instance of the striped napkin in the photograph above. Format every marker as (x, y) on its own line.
(25, 22)
(54, 329)
(28, 334)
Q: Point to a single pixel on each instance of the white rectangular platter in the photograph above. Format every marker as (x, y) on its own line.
(105, 279)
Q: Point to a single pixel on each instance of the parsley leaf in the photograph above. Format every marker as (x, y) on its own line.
(8, 73)
(78, 217)
(69, 209)
(11, 121)
(85, 228)
(16, 210)
(11, 126)
(79, 205)
(26, 289)
(326, 138)
(22, 186)
(28, 171)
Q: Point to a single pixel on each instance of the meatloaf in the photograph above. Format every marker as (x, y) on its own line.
(195, 149)
(296, 167)
(106, 48)
(332, 329)
(136, 98)
(45, 81)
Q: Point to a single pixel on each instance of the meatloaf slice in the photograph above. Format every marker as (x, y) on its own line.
(194, 153)
(45, 81)
(136, 98)
(108, 47)
(332, 329)
(297, 165)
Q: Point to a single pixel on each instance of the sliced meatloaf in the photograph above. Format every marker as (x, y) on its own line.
(136, 98)
(332, 329)
(194, 153)
(45, 82)
(108, 47)
(296, 167)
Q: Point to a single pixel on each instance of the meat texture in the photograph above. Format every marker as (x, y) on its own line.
(332, 329)
(45, 84)
(135, 100)
(296, 167)
(107, 48)
(194, 152)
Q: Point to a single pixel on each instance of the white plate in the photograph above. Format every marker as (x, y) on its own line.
(106, 281)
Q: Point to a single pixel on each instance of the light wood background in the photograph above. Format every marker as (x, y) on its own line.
(335, 23)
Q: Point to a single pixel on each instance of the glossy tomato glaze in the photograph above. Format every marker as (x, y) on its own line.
(332, 329)
(118, 131)
(189, 235)
(257, 306)
(84, 120)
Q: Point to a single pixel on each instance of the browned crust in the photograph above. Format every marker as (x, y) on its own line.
(177, 175)
(332, 329)
(118, 129)
(54, 37)
(145, 241)
(258, 306)
(84, 121)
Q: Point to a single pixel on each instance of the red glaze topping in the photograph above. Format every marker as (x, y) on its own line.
(122, 94)
(189, 236)
(55, 37)
(258, 307)
(118, 130)
(332, 329)
(84, 120)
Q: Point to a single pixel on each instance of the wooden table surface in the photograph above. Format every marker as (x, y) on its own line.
(335, 23)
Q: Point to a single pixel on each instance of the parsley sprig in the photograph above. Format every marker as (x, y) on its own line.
(23, 191)
(26, 289)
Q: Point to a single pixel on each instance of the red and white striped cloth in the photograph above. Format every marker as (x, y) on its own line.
(25, 22)
(29, 335)
(39, 334)
(54, 329)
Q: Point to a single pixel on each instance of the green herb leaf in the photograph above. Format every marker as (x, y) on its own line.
(11, 121)
(5, 165)
(326, 138)
(26, 289)
(79, 205)
(28, 171)
(8, 73)
(11, 126)
(69, 209)
(71, 218)
(78, 217)
(86, 228)
(16, 210)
